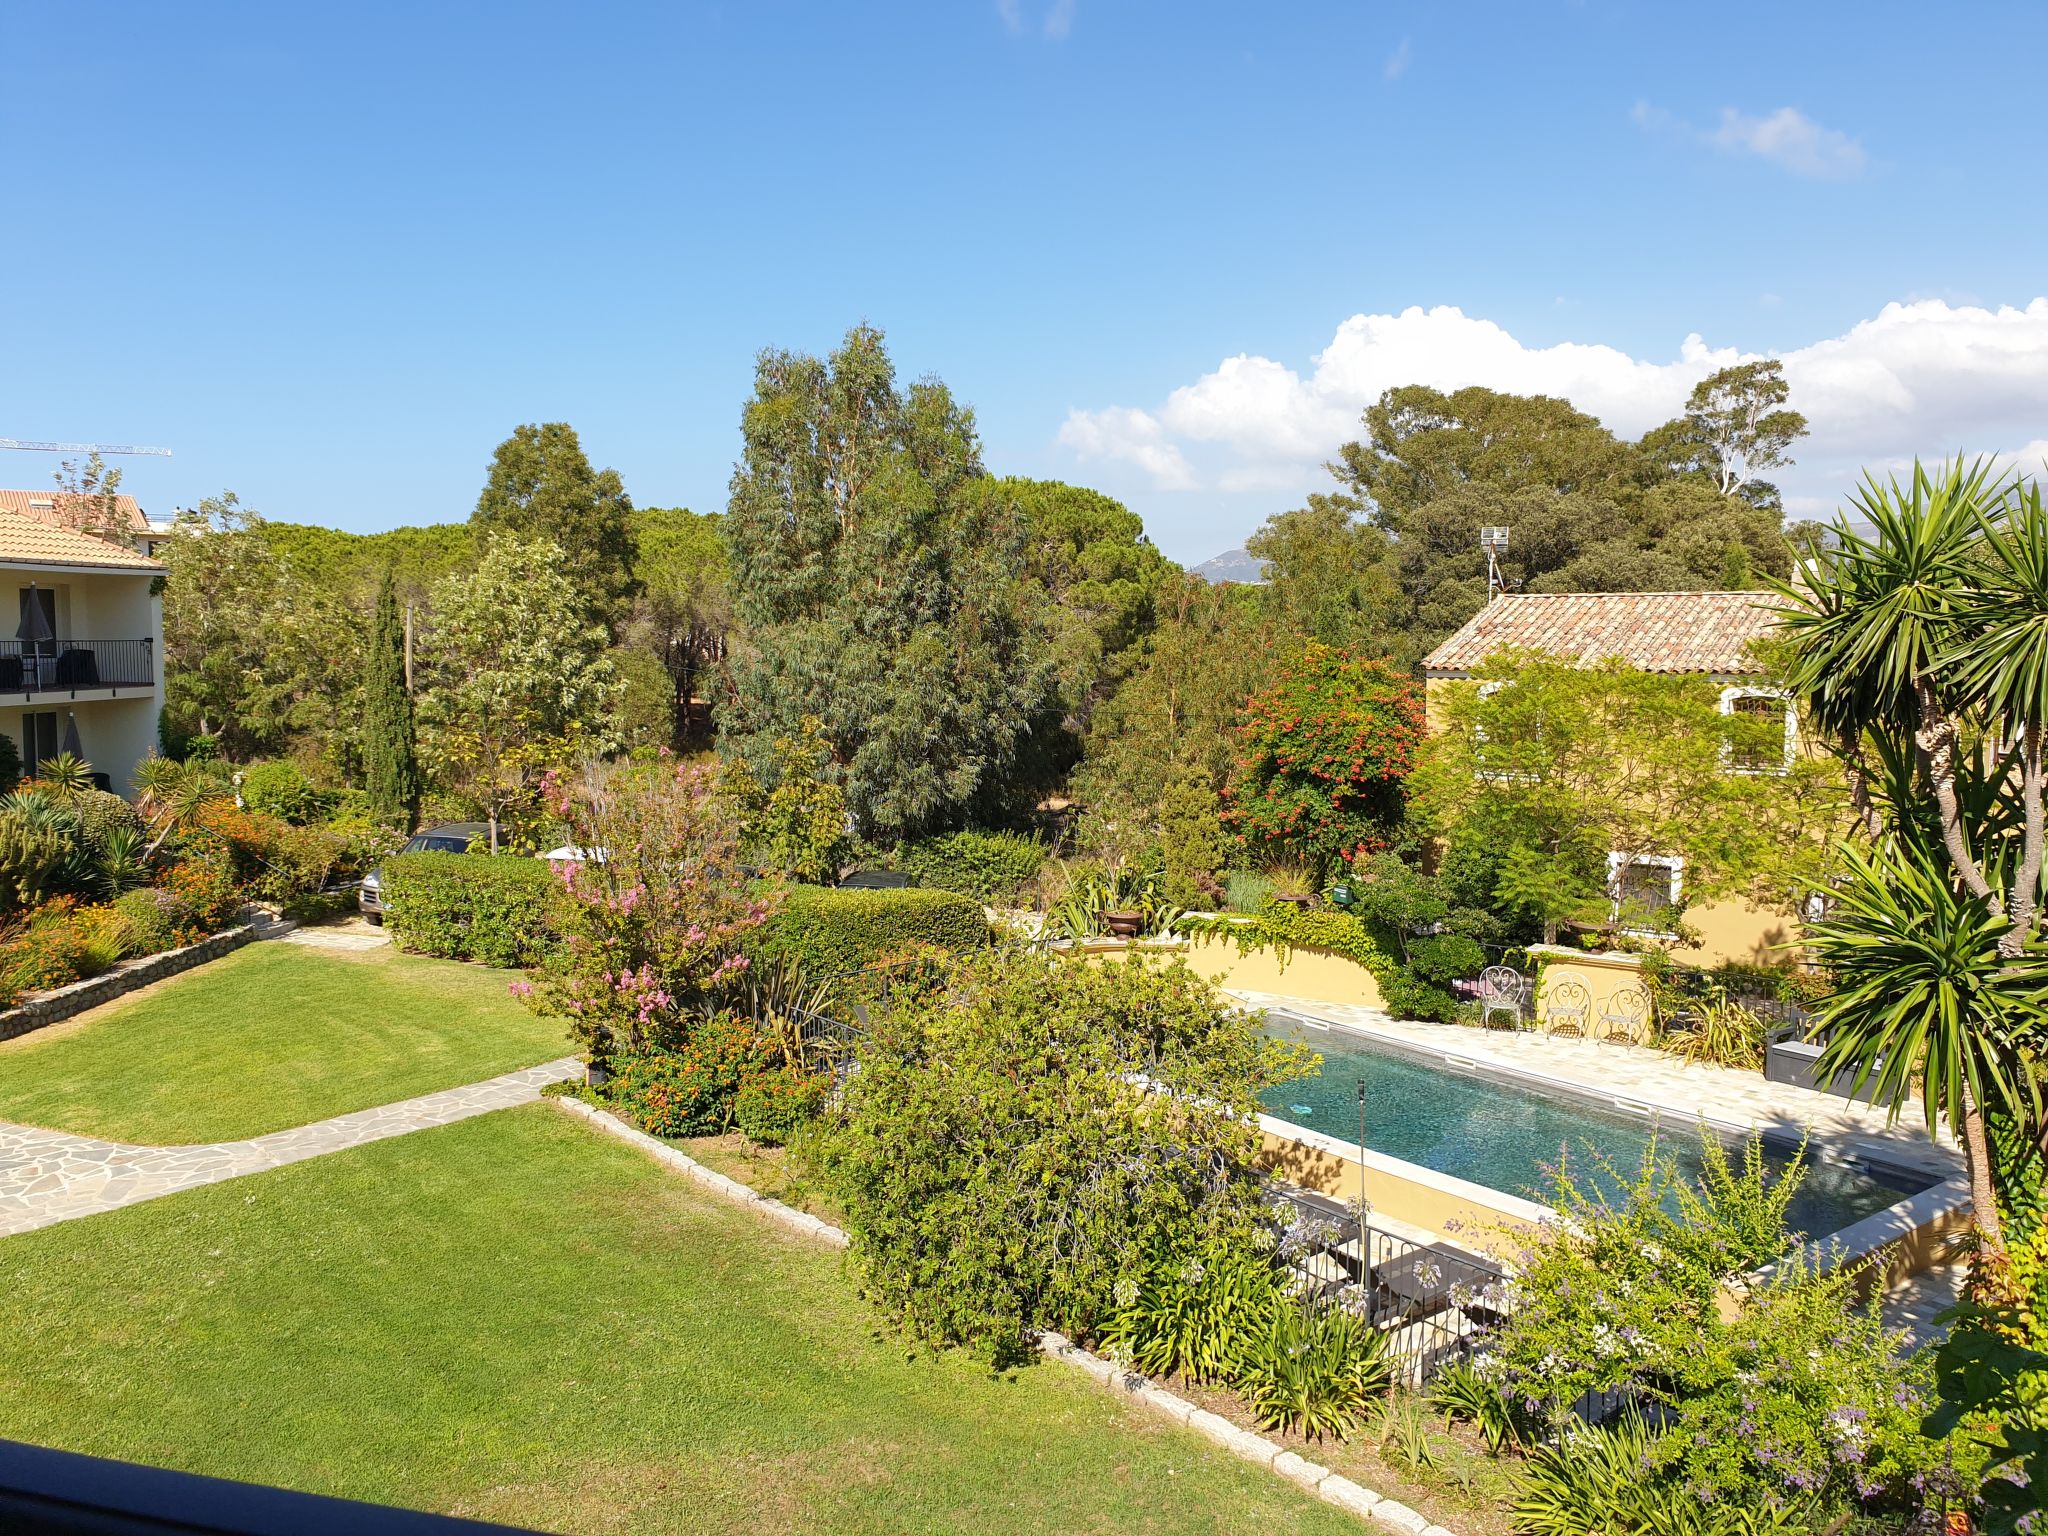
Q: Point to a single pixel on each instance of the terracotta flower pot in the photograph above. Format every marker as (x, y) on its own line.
(1124, 925)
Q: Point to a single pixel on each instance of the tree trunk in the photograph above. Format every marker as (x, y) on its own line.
(1989, 1267)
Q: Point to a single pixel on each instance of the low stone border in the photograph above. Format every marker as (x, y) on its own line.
(130, 975)
(1245, 1444)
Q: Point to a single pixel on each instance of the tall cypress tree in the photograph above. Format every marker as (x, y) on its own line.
(390, 746)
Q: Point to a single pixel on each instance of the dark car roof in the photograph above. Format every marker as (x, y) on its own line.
(456, 829)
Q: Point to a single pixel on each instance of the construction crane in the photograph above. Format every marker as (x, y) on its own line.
(31, 447)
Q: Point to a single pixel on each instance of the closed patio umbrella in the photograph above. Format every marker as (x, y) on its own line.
(35, 624)
(71, 734)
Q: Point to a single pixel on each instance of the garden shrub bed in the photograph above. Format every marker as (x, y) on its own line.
(989, 866)
(465, 906)
(828, 931)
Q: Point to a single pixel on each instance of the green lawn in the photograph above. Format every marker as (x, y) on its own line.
(272, 1036)
(516, 1318)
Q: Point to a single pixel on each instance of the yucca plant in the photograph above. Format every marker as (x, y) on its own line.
(1918, 650)
(1721, 1032)
(66, 771)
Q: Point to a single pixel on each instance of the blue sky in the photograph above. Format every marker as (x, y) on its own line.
(332, 255)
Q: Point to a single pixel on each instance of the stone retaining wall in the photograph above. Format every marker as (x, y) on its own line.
(50, 1007)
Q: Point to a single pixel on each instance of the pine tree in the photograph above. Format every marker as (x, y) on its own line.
(390, 747)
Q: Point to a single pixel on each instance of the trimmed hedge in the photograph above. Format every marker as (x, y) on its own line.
(470, 906)
(988, 866)
(826, 930)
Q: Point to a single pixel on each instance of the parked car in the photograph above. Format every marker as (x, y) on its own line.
(449, 837)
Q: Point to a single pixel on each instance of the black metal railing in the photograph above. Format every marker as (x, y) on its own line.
(1432, 1302)
(68, 666)
(59, 1493)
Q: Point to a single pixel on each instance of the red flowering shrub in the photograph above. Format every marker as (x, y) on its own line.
(690, 1090)
(204, 882)
(1321, 759)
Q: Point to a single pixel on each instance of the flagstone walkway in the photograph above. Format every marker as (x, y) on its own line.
(52, 1176)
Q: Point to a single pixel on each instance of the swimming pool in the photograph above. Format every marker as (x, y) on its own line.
(1487, 1128)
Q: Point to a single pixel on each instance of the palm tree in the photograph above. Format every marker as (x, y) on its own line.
(1920, 652)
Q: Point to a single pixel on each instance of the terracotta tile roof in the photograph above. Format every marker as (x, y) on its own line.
(31, 541)
(42, 506)
(1655, 631)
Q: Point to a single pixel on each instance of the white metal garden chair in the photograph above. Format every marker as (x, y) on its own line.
(1626, 1018)
(1568, 1009)
(1503, 990)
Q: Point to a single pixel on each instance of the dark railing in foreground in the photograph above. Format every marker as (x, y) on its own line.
(1432, 1302)
(66, 666)
(58, 1493)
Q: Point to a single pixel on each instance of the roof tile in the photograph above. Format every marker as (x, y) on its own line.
(1654, 631)
(31, 541)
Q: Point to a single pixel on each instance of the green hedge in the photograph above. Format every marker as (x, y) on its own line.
(827, 930)
(470, 906)
(989, 866)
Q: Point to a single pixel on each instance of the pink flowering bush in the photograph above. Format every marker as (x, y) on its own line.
(655, 913)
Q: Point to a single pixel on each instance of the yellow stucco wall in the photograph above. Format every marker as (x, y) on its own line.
(1473, 1221)
(1319, 975)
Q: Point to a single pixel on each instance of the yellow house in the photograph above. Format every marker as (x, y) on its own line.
(1706, 634)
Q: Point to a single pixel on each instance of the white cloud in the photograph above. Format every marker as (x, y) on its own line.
(1134, 437)
(1790, 139)
(1787, 138)
(1927, 378)
(1398, 62)
(1058, 22)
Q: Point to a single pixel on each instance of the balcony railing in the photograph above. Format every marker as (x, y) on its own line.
(33, 667)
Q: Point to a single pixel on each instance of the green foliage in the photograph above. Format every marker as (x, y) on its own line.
(684, 613)
(271, 860)
(1246, 890)
(1321, 759)
(157, 920)
(1802, 1399)
(1282, 927)
(10, 763)
(1192, 839)
(829, 931)
(1591, 1483)
(645, 717)
(1331, 578)
(1201, 1311)
(1461, 1393)
(795, 825)
(521, 683)
(998, 1163)
(881, 579)
(989, 866)
(391, 765)
(1211, 649)
(466, 906)
(1556, 764)
(39, 844)
(689, 1088)
(279, 787)
(1717, 1030)
(1316, 1370)
(541, 489)
(1982, 1373)
(59, 943)
(772, 1106)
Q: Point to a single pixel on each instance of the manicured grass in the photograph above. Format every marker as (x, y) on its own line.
(272, 1036)
(516, 1318)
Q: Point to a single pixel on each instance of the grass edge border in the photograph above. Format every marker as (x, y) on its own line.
(1247, 1445)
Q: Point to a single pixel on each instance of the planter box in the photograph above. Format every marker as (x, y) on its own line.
(1797, 1063)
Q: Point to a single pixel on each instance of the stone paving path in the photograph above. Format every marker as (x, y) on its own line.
(52, 1176)
(345, 936)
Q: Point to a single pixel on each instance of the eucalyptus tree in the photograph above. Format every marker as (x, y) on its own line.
(1919, 651)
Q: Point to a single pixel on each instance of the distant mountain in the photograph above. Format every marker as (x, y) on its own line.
(1231, 565)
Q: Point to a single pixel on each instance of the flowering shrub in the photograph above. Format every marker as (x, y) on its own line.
(270, 859)
(1801, 1402)
(1321, 759)
(773, 1106)
(157, 920)
(654, 918)
(690, 1090)
(203, 882)
(59, 943)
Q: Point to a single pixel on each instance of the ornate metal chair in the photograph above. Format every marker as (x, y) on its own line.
(1503, 990)
(1626, 1018)
(1568, 1009)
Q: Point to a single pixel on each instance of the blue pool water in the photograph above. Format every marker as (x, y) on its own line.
(1498, 1133)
